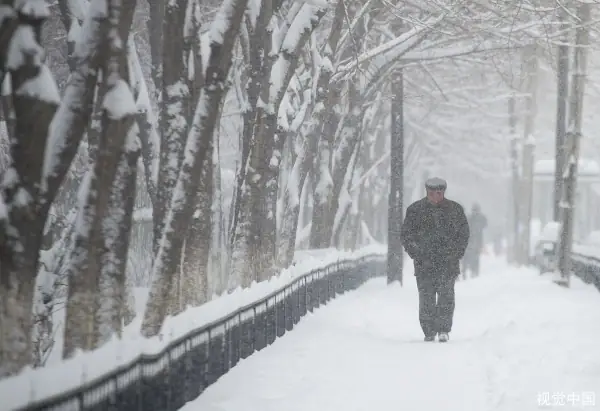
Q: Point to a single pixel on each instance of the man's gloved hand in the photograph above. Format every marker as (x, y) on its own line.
(427, 264)
(449, 256)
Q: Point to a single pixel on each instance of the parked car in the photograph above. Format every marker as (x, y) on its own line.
(546, 247)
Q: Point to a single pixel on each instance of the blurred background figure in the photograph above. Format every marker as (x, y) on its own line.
(498, 243)
(477, 223)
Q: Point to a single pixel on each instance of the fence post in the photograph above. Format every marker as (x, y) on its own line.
(170, 385)
(169, 382)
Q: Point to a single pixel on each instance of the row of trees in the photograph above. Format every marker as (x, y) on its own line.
(290, 97)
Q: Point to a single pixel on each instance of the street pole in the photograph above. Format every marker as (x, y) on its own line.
(561, 110)
(531, 74)
(567, 206)
(527, 197)
(574, 136)
(513, 250)
(395, 209)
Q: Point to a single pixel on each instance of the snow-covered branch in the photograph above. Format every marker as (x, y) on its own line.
(392, 49)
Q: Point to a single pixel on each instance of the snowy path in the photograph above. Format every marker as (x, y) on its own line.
(515, 336)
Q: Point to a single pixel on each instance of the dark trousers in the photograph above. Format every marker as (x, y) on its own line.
(436, 302)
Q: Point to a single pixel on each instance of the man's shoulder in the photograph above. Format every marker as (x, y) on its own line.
(454, 205)
(417, 205)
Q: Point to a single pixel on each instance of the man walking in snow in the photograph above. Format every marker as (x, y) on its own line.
(435, 235)
(477, 223)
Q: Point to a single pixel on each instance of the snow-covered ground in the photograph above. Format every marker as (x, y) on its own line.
(36, 384)
(519, 343)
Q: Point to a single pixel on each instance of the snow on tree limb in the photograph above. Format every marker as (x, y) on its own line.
(34, 103)
(74, 112)
(42, 87)
(455, 51)
(284, 67)
(392, 49)
(146, 121)
(118, 101)
(37, 9)
(255, 238)
(175, 106)
(365, 8)
(224, 33)
(323, 4)
(97, 273)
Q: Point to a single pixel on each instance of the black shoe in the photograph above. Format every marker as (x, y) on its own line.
(430, 337)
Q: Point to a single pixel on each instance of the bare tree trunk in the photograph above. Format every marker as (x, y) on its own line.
(97, 273)
(198, 241)
(155, 30)
(374, 160)
(71, 19)
(196, 252)
(319, 235)
(113, 289)
(327, 196)
(574, 133)
(396, 194)
(345, 149)
(513, 230)
(35, 100)
(561, 108)
(174, 124)
(146, 123)
(225, 32)
(255, 241)
(175, 106)
(217, 275)
(291, 201)
(258, 71)
(332, 116)
(314, 147)
(344, 207)
(352, 228)
(42, 165)
(531, 61)
(8, 113)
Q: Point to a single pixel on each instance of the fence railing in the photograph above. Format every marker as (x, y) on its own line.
(180, 373)
(586, 264)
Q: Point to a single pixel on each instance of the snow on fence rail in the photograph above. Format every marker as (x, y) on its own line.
(586, 264)
(165, 373)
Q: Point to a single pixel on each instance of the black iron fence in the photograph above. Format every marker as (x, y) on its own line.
(180, 373)
(585, 261)
(586, 265)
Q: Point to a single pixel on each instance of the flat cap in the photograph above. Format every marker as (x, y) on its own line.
(435, 183)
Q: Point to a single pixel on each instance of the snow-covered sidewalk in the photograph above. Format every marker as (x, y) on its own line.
(519, 343)
(86, 367)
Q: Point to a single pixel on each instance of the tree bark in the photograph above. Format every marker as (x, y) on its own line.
(175, 107)
(35, 100)
(224, 35)
(97, 272)
(255, 241)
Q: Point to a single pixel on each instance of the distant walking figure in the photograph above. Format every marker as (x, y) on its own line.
(435, 234)
(477, 223)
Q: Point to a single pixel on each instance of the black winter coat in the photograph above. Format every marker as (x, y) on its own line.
(435, 236)
(477, 223)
